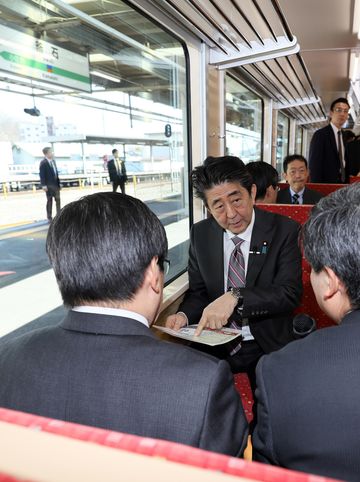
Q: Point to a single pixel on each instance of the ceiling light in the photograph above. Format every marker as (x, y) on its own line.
(100, 58)
(105, 76)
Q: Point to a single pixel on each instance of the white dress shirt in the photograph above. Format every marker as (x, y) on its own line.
(100, 310)
(300, 194)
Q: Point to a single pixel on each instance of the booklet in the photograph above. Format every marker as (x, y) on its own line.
(208, 336)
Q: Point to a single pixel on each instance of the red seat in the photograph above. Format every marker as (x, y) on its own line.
(308, 305)
(162, 449)
(354, 179)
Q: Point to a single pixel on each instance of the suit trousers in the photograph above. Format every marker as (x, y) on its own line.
(120, 182)
(52, 192)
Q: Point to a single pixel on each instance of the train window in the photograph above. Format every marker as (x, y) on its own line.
(299, 136)
(138, 104)
(282, 139)
(244, 114)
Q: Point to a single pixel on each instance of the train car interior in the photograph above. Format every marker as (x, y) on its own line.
(167, 83)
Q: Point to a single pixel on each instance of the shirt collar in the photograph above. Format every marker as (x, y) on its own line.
(300, 193)
(246, 235)
(113, 312)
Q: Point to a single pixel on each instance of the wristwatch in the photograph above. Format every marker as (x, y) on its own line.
(236, 293)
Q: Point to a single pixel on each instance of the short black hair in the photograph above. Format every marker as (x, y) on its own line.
(218, 170)
(340, 100)
(101, 245)
(113, 151)
(331, 238)
(264, 175)
(291, 158)
(46, 150)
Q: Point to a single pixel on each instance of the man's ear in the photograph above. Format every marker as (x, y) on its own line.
(333, 284)
(154, 275)
(253, 192)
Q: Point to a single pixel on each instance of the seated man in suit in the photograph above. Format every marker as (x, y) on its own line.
(266, 179)
(296, 174)
(308, 417)
(244, 266)
(102, 365)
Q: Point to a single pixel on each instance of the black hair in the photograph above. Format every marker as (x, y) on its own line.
(101, 245)
(340, 100)
(219, 170)
(331, 238)
(291, 158)
(113, 151)
(46, 150)
(264, 175)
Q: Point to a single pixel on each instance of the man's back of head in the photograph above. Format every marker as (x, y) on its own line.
(100, 247)
(266, 178)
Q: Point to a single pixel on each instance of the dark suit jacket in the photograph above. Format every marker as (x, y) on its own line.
(324, 162)
(47, 176)
(309, 417)
(353, 157)
(113, 373)
(273, 282)
(113, 173)
(309, 197)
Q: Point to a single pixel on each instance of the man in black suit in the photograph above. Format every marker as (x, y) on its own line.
(49, 180)
(102, 365)
(262, 304)
(327, 150)
(308, 416)
(266, 179)
(296, 174)
(117, 171)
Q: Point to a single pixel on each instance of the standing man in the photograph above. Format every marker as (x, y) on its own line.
(296, 174)
(117, 171)
(327, 150)
(49, 179)
(308, 415)
(244, 266)
(102, 365)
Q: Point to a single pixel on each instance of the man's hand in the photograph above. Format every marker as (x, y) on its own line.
(175, 322)
(45, 188)
(217, 313)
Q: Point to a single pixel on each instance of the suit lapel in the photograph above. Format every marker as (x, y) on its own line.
(262, 235)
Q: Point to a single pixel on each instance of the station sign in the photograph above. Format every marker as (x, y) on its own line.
(25, 55)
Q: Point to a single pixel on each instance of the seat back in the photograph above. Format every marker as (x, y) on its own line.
(325, 189)
(214, 466)
(300, 213)
(354, 179)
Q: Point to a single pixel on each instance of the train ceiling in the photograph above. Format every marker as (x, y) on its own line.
(292, 50)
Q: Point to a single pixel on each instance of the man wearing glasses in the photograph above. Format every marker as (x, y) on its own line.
(327, 150)
(102, 365)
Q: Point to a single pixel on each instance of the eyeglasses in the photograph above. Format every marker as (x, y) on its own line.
(164, 265)
(338, 110)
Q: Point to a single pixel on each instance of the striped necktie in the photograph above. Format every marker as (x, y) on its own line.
(236, 273)
(236, 279)
(340, 150)
(295, 198)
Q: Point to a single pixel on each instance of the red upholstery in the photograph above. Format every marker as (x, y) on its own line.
(159, 448)
(354, 179)
(324, 188)
(308, 303)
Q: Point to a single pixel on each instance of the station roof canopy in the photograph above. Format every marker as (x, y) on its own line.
(113, 140)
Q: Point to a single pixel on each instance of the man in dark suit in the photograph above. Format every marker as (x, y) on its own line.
(296, 174)
(266, 179)
(308, 416)
(327, 150)
(117, 171)
(49, 180)
(102, 365)
(260, 305)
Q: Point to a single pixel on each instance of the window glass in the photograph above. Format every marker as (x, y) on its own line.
(299, 134)
(244, 113)
(137, 104)
(282, 140)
